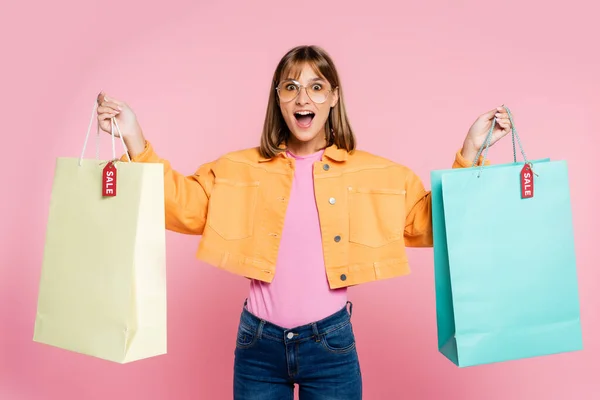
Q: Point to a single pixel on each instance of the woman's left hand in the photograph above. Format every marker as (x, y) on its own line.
(479, 130)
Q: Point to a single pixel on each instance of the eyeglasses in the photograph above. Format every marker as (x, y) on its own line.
(289, 89)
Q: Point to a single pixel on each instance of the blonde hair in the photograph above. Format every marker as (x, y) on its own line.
(337, 128)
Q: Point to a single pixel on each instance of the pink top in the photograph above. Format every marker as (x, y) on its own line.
(299, 293)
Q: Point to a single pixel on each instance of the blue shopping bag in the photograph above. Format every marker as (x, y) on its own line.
(505, 271)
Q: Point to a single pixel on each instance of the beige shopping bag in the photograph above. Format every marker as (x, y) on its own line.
(103, 283)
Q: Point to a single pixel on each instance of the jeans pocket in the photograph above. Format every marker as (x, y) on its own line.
(340, 340)
(246, 336)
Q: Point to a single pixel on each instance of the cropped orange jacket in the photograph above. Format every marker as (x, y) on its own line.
(369, 209)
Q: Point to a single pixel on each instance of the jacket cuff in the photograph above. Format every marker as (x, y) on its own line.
(147, 155)
(461, 162)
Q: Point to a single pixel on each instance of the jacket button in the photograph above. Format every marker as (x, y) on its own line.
(332, 200)
(326, 167)
(343, 277)
(337, 238)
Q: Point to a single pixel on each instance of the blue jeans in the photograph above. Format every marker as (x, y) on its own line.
(319, 357)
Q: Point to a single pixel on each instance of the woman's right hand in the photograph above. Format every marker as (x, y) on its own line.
(128, 124)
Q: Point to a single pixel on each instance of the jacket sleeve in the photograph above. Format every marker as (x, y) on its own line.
(418, 230)
(186, 197)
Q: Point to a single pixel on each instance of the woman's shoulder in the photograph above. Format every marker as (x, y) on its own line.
(234, 164)
(250, 155)
(367, 158)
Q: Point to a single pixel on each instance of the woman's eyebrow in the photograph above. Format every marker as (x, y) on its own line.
(312, 80)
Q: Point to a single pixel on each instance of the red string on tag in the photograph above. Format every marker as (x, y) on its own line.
(526, 182)
(109, 180)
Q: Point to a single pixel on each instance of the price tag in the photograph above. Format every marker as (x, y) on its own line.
(526, 182)
(109, 180)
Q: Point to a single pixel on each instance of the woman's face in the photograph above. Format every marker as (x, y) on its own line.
(305, 104)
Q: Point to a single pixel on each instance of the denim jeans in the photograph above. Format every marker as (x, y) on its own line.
(319, 357)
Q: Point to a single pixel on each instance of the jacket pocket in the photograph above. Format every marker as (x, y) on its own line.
(377, 216)
(231, 208)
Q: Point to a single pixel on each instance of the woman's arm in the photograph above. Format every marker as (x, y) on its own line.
(186, 196)
(418, 230)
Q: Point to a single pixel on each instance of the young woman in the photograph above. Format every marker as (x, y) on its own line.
(303, 216)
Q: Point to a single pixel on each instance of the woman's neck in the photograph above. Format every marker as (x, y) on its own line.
(306, 148)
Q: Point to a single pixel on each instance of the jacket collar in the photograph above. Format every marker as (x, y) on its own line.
(332, 152)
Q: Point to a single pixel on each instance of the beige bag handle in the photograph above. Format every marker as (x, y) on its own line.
(113, 125)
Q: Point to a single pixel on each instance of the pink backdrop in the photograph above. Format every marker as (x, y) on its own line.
(415, 74)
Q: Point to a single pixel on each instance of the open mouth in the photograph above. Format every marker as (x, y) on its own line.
(304, 118)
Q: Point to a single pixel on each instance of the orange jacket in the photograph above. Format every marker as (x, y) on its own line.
(369, 208)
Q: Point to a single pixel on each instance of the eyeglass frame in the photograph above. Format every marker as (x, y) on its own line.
(300, 87)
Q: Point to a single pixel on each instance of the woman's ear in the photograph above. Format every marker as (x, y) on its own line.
(335, 97)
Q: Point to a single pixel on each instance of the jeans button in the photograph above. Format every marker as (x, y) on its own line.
(290, 335)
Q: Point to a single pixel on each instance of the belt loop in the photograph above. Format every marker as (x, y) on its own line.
(350, 309)
(260, 329)
(316, 332)
(245, 302)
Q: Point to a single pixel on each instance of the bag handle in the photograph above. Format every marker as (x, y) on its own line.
(488, 140)
(113, 124)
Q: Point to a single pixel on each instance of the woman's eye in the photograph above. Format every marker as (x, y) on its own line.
(291, 88)
(317, 87)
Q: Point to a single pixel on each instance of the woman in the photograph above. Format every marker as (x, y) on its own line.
(303, 216)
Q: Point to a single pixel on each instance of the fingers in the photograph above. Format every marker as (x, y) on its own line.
(498, 112)
(106, 113)
(110, 104)
(105, 116)
(501, 112)
(502, 119)
(113, 101)
(108, 109)
(503, 122)
(503, 125)
(103, 99)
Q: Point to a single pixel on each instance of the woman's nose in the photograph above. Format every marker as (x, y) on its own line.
(302, 97)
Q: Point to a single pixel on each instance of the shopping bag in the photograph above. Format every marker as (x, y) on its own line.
(505, 267)
(102, 290)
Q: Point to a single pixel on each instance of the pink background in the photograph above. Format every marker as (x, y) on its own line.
(415, 74)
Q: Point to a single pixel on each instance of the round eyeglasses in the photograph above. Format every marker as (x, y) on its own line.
(289, 89)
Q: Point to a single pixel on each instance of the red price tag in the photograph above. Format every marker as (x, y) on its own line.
(526, 182)
(109, 180)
